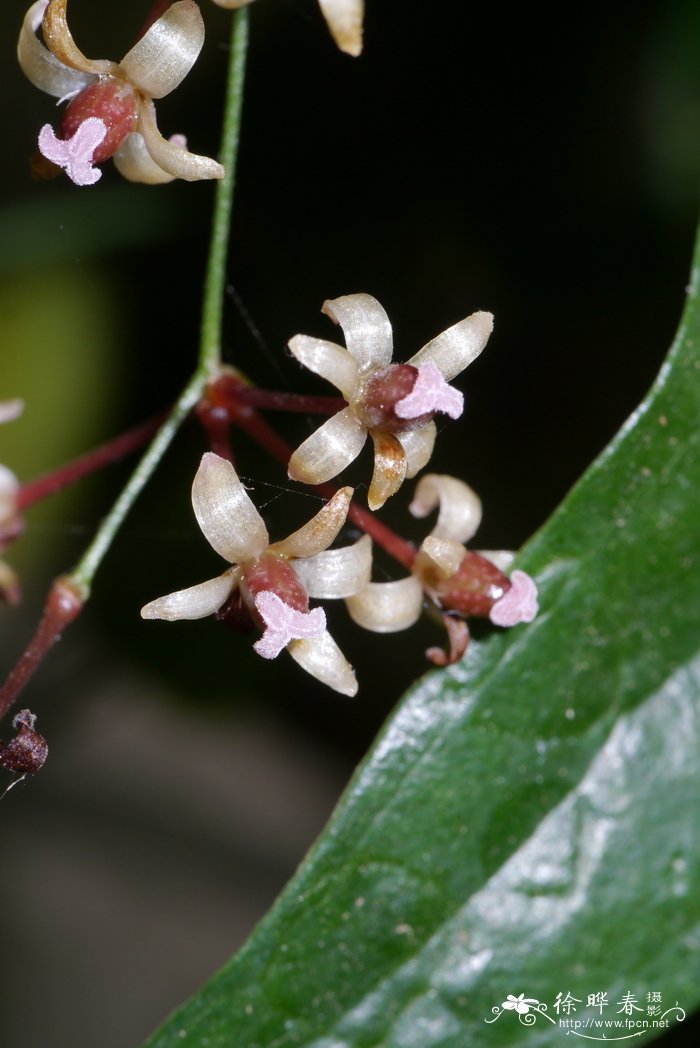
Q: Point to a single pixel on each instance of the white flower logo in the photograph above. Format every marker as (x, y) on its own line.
(520, 1004)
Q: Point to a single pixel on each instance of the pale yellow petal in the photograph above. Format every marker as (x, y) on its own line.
(328, 360)
(133, 162)
(321, 530)
(164, 55)
(196, 602)
(387, 607)
(418, 446)
(41, 67)
(446, 554)
(366, 328)
(61, 44)
(344, 18)
(173, 158)
(328, 450)
(459, 507)
(457, 347)
(322, 658)
(389, 469)
(337, 572)
(228, 519)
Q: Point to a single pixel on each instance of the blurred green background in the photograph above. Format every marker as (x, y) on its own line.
(543, 167)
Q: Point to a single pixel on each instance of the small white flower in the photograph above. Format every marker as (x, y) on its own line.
(393, 403)
(270, 585)
(455, 578)
(111, 111)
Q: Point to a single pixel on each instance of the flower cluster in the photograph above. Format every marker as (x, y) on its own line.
(269, 586)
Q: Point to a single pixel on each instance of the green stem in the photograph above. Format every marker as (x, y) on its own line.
(212, 313)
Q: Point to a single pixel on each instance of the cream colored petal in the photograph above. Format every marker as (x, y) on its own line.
(196, 602)
(337, 572)
(328, 450)
(344, 18)
(457, 347)
(445, 553)
(39, 65)
(327, 360)
(459, 508)
(501, 558)
(164, 55)
(321, 530)
(9, 490)
(389, 469)
(173, 158)
(322, 658)
(133, 162)
(387, 607)
(61, 44)
(418, 446)
(366, 328)
(228, 519)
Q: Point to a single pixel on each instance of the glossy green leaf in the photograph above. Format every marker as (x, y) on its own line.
(528, 821)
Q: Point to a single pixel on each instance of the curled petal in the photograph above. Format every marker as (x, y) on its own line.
(387, 607)
(389, 469)
(457, 638)
(418, 444)
(430, 393)
(457, 347)
(321, 530)
(10, 410)
(228, 519)
(61, 44)
(164, 55)
(40, 66)
(133, 161)
(284, 623)
(445, 553)
(459, 513)
(337, 572)
(329, 361)
(196, 602)
(518, 604)
(322, 658)
(75, 154)
(169, 156)
(366, 328)
(329, 449)
(344, 18)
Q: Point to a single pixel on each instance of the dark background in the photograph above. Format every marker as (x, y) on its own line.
(543, 167)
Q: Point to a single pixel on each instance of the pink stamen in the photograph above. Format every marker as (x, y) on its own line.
(518, 604)
(430, 393)
(75, 154)
(284, 623)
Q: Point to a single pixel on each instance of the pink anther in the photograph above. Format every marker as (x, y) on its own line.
(75, 154)
(430, 393)
(284, 623)
(518, 604)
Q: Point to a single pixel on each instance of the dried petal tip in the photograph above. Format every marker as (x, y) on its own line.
(519, 604)
(75, 154)
(344, 18)
(430, 393)
(284, 624)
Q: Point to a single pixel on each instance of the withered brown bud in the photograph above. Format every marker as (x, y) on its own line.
(27, 752)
